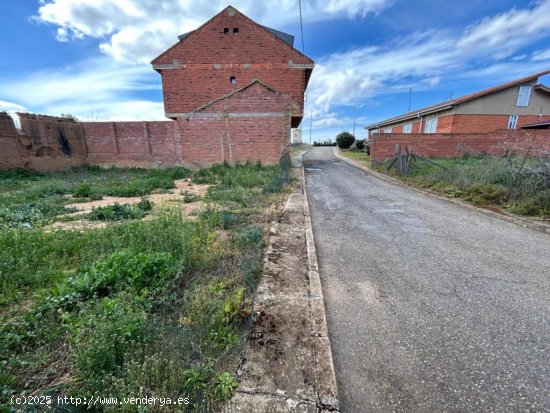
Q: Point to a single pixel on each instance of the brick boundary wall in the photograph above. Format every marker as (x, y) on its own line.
(10, 147)
(47, 143)
(457, 144)
(133, 144)
(44, 143)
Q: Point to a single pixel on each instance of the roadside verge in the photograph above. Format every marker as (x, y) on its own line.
(545, 228)
(288, 361)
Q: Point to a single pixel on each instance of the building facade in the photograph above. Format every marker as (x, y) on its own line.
(236, 89)
(508, 106)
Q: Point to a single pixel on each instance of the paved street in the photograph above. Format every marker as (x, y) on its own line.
(431, 307)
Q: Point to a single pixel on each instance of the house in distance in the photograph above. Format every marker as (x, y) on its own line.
(512, 105)
(236, 89)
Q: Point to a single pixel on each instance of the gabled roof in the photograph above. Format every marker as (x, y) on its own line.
(542, 88)
(448, 104)
(285, 38)
(236, 91)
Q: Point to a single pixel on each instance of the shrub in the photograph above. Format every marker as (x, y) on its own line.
(344, 140)
(360, 144)
(123, 270)
(119, 212)
(538, 204)
(483, 193)
(83, 190)
(367, 147)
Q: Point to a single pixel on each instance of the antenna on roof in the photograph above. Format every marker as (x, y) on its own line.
(301, 26)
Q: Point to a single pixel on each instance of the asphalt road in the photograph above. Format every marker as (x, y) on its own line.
(431, 307)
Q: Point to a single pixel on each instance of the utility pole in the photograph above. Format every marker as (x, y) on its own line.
(410, 98)
(354, 129)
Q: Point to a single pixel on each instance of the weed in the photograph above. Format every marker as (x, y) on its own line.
(144, 307)
(102, 336)
(189, 198)
(225, 386)
(119, 212)
(512, 182)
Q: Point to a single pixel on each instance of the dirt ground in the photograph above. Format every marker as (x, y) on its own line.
(182, 186)
(173, 196)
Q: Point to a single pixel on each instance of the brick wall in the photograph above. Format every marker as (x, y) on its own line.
(205, 61)
(487, 123)
(139, 144)
(457, 144)
(9, 144)
(445, 124)
(251, 125)
(44, 143)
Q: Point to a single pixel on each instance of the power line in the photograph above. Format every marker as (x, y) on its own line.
(301, 26)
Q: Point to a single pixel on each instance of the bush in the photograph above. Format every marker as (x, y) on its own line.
(82, 191)
(360, 144)
(482, 193)
(123, 270)
(344, 140)
(119, 212)
(367, 147)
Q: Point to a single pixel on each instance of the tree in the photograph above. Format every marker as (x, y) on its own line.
(344, 140)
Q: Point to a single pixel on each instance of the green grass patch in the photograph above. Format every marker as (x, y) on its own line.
(139, 308)
(360, 156)
(511, 182)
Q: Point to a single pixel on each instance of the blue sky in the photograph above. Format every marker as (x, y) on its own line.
(90, 57)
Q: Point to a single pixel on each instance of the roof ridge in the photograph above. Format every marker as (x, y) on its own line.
(461, 99)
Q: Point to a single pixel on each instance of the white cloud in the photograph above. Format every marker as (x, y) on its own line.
(505, 33)
(541, 55)
(11, 107)
(137, 31)
(98, 88)
(425, 60)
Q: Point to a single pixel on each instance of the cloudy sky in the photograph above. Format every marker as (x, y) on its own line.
(91, 58)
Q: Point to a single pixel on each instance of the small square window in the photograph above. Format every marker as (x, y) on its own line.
(226, 30)
(233, 80)
(407, 128)
(235, 30)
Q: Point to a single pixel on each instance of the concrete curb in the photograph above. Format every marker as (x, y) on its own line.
(327, 390)
(504, 217)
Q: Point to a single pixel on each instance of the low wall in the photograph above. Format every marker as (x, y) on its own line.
(10, 147)
(457, 144)
(44, 143)
(139, 144)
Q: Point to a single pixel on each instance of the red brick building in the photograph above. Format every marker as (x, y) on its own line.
(236, 89)
(508, 106)
(233, 89)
